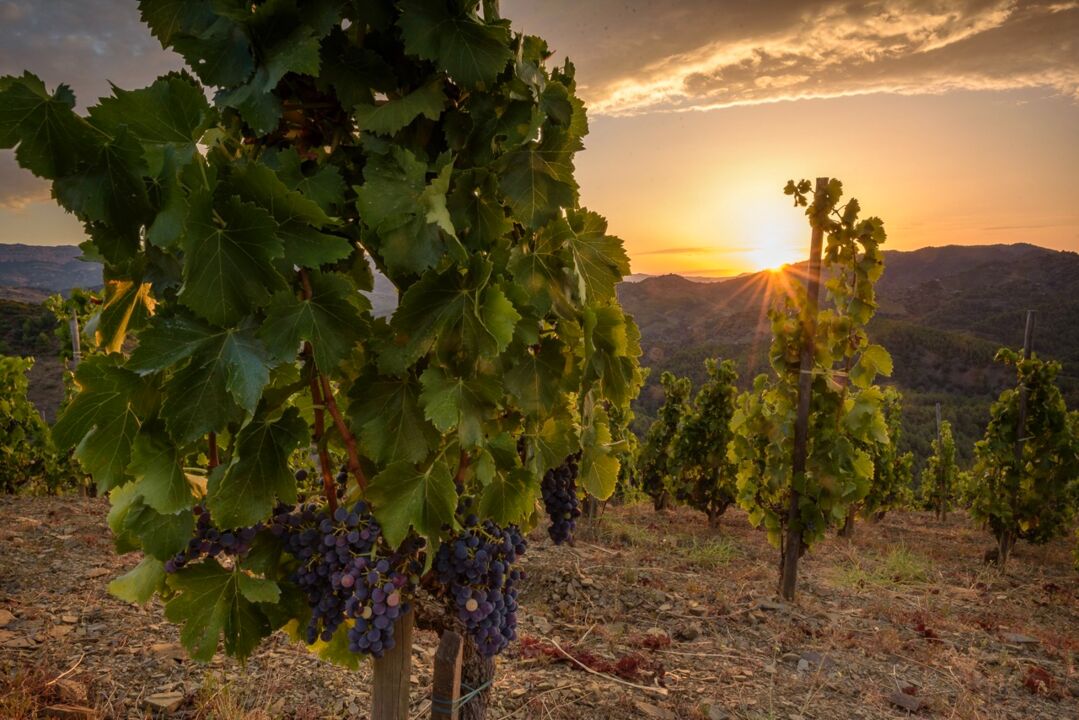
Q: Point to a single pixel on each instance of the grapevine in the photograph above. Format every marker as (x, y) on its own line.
(419, 139)
(891, 488)
(844, 412)
(1031, 497)
(654, 462)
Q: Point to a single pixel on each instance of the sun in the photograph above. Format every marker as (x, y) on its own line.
(773, 233)
(774, 242)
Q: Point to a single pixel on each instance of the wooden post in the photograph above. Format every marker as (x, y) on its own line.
(393, 674)
(446, 684)
(939, 479)
(793, 547)
(76, 343)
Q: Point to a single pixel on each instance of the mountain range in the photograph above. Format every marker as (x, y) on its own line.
(944, 311)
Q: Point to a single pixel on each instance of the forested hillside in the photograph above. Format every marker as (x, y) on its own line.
(944, 312)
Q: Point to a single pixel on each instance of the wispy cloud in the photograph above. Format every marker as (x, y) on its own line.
(840, 49)
(679, 251)
(18, 188)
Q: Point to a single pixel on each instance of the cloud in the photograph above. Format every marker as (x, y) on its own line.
(18, 188)
(84, 43)
(678, 251)
(839, 49)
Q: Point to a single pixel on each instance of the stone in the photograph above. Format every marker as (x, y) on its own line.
(657, 632)
(97, 572)
(71, 691)
(542, 625)
(714, 711)
(164, 702)
(70, 712)
(772, 606)
(905, 701)
(652, 711)
(169, 651)
(69, 619)
(1020, 639)
(688, 632)
(58, 631)
(5, 617)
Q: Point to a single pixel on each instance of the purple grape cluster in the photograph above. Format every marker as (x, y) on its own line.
(475, 572)
(346, 573)
(559, 488)
(209, 541)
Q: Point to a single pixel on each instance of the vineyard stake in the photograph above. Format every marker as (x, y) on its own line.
(392, 675)
(446, 684)
(939, 480)
(76, 346)
(793, 547)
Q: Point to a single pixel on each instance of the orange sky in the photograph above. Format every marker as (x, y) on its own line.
(956, 124)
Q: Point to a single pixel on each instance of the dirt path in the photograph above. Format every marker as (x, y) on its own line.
(905, 613)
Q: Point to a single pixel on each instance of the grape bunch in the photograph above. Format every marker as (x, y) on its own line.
(209, 541)
(475, 572)
(345, 572)
(559, 488)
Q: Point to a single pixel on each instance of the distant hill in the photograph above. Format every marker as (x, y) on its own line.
(46, 268)
(944, 311)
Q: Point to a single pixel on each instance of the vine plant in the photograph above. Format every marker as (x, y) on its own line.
(655, 462)
(891, 488)
(703, 476)
(1032, 496)
(417, 137)
(939, 480)
(844, 416)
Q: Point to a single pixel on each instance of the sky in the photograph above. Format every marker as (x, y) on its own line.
(956, 121)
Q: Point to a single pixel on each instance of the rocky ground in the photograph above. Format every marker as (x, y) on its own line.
(649, 616)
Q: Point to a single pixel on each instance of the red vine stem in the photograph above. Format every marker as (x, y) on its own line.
(346, 434)
(326, 400)
(328, 486)
(462, 468)
(213, 460)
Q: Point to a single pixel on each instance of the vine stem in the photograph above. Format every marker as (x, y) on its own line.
(328, 487)
(327, 401)
(346, 434)
(213, 459)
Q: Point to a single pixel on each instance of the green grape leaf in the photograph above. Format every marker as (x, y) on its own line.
(391, 420)
(394, 115)
(139, 584)
(156, 466)
(535, 381)
(173, 111)
(259, 474)
(537, 184)
(228, 272)
(50, 140)
(453, 403)
(128, 305)
(103, 419)
(477, 212)
(161, 536)
(510, 498)
(404, 497)
(540, 269)
(472, 52)
(600, 258)
(598, 469)
(213, 603)
(331, 320)
(873, 361)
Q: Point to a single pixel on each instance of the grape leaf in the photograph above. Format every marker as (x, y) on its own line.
(140, 583)
(213, 603)
(49, 139)
(102, 420)
(404, 497)
(472, 52)
(156, 466)
(600, 258)
(510, 497)
(394, 115)
(453, 403)
(259, 474)
(161, 536)
(391, 421)
(228, 271)
(330, 320)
